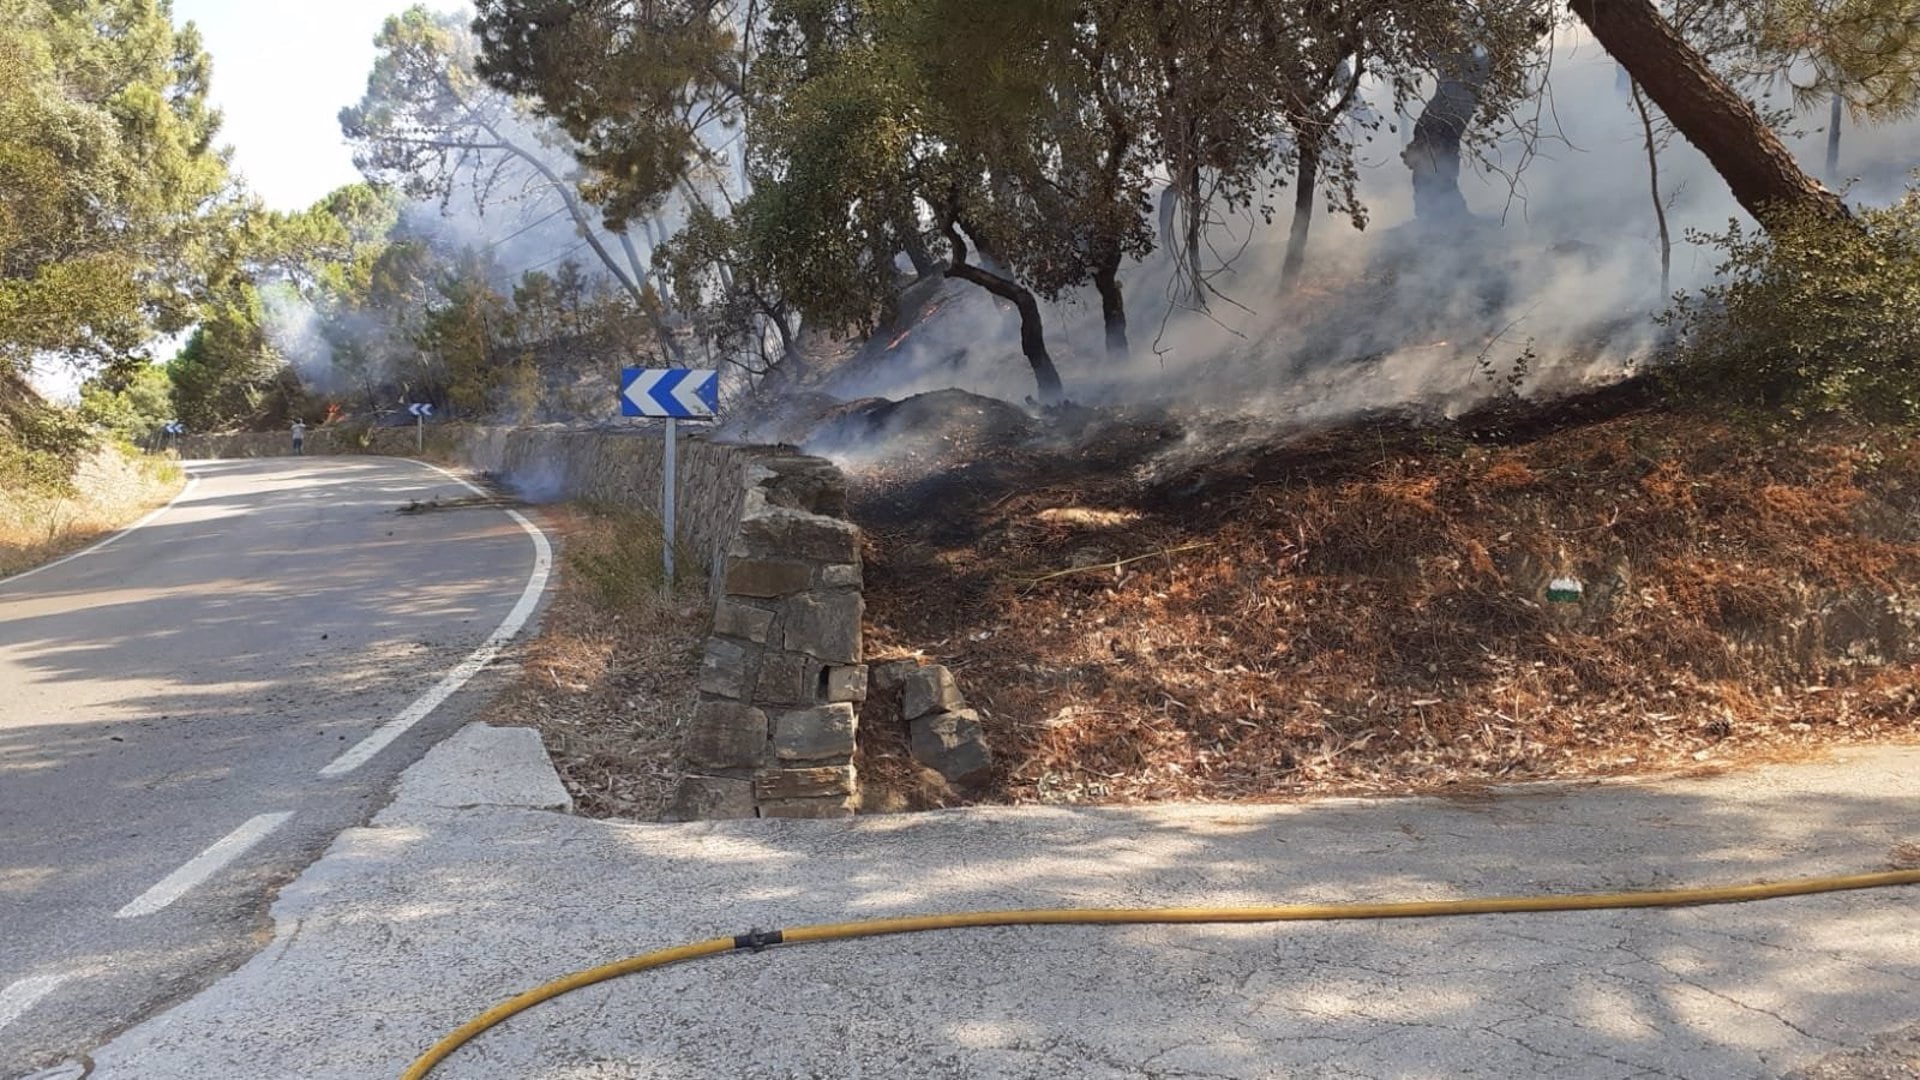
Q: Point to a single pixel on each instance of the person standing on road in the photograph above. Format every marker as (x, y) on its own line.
(299, 436)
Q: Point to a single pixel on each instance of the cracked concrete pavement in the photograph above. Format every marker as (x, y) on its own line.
(461, 894)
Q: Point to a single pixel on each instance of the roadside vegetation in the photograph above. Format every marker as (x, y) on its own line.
(609, 681)
(64, 483)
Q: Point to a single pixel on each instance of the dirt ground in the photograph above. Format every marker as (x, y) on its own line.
(1149, 606)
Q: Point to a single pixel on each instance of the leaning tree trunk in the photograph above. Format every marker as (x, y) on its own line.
(906, 226)
(1756, 165)
(1113, 307)
(1033, 337)
(1434, 151)
(1306, 183)
(1834, 118)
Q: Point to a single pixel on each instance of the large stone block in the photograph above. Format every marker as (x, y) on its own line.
(726, 670)
(816, 734)
(952, 745)
(929, 689)
(727, 735)
(888, 676)
(808, 808)
(789, 679)
(767, 578)
(776, 533)
(825, 625)
(812, 484)
(820, 782)
(737, 620)
(847, 683)
(837, 576)
(707, 798)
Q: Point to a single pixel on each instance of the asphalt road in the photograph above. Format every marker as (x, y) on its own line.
(180, 712)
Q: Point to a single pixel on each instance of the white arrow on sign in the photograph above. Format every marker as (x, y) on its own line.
(639, 390)
(688, 395)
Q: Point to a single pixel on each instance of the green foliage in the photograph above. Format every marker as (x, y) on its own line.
(633, 84)
(1866, 51)
(1813, 317)
(223, 374)
(109, 182)
(129, 409)
(40, 444)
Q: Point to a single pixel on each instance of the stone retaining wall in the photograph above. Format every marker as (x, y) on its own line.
(783, 673)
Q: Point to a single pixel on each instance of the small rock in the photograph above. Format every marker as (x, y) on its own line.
(930, 689)
(952, 745)
(887, 677)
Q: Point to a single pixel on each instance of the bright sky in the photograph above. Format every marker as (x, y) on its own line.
(282, 69)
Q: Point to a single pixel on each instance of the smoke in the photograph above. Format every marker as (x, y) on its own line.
(1554, 285)
(537, 481)
(292, 326)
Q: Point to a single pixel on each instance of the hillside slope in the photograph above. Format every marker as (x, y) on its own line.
(1154, 609)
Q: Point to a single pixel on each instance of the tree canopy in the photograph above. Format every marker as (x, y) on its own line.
(111, 187)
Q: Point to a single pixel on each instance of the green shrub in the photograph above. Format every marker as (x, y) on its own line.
(1812, 317)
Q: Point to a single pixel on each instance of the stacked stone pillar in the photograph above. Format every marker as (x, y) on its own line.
(773, 735)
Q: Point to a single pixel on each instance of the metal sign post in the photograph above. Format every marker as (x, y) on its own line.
(672, 394)
(420, 412)
(669, 482)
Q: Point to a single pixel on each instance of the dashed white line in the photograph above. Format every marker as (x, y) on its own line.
(203, 866)
(25, 994)
(364, 750)
(192, 482)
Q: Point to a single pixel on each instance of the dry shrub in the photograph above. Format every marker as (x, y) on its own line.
(1509, 474)
(108, 488)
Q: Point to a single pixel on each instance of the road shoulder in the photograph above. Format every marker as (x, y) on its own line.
(462, 893)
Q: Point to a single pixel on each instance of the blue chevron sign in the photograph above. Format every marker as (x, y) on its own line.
(669, 392)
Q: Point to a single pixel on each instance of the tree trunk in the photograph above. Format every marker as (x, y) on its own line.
(1113, 309)
(1756, 165)
(907, 226)
(1653, 181)
(1196, 216)
(1834, 117)
(1033, 338)
(1306, 183)
(1434, 151)
(642, 273)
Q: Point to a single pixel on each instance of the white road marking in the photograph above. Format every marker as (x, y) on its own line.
(204, 865)
(192, 482)
(364, 750)
(25, 994)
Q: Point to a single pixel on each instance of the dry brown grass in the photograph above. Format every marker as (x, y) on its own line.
(610, 681)
(1369, 613)
(110, 490)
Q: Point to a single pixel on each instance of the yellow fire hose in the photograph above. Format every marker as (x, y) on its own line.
(757, 940)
